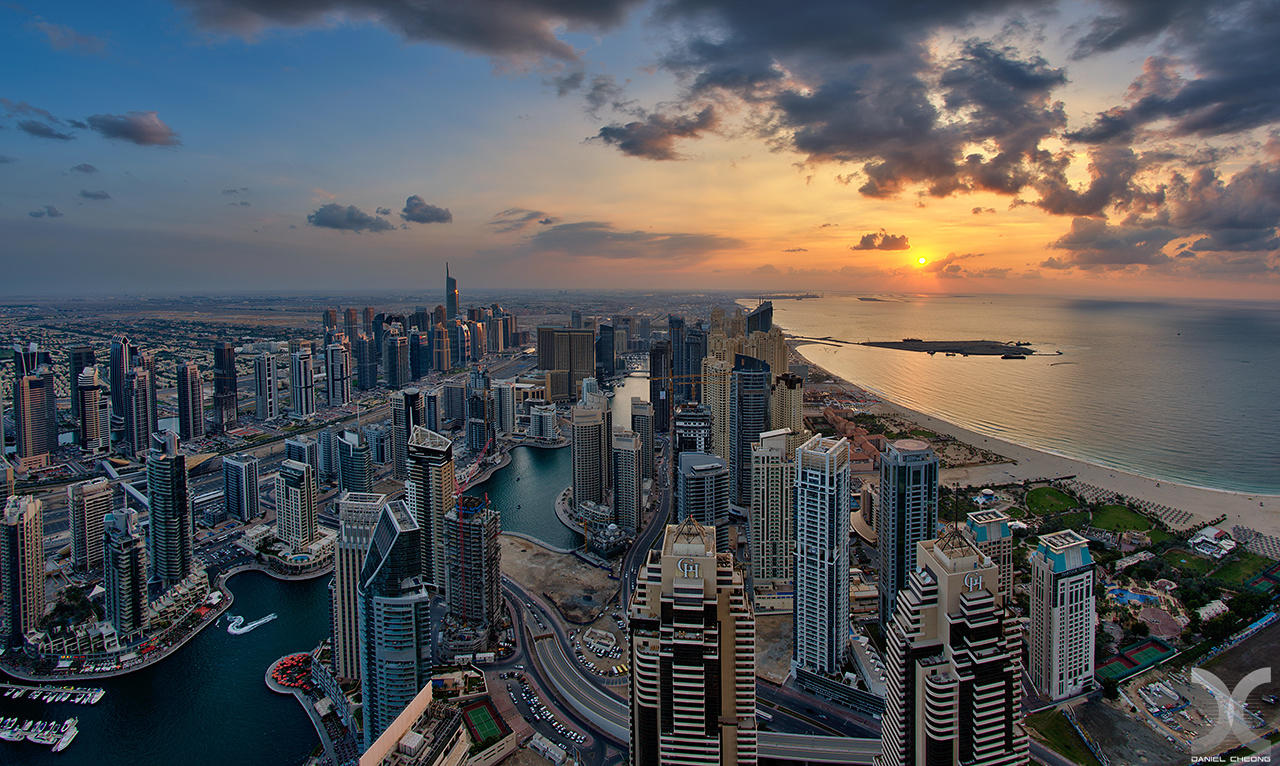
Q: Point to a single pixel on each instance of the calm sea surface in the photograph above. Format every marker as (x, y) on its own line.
(1181, 391)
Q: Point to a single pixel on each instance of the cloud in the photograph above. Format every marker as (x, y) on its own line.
(241, 203)
(63, 38)
(516, 218)
(48, 211)
(509, 29)
(796, 250)
(1111, 172)
(96, 195)
(347, 218)
(43, 130)
(235, 190)
(654, 137)
(84, 167)
(12, 108)
(981, 210)
(417, 210)
(141, 128)
(828, 225)
(383, 211)
(1096, 244)
(882, 241)
(597, 239)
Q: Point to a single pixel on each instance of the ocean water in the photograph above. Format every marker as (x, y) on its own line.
(1179, 391)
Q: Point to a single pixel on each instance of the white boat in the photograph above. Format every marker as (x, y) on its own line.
(237, 627)
(69, 732)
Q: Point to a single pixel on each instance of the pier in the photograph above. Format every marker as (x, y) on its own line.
(71, 694)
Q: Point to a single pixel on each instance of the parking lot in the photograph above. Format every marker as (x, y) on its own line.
(530, 705)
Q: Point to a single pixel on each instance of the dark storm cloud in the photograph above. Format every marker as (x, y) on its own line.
(141, 128)
(63, 38)
(1111, 171)
(416, 210)
(347, 218)
(84, 167)
(95, 195)
(47, 211)
(503, 28)
(881, 241)
(43, 130)
(1129, 21)
(516, 218)
(597, 239)
(654, 137)
(1096, 244)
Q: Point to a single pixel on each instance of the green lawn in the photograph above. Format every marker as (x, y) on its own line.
(1187, 562)
(1159, 536)
(1043, 501)
(1016, 512)
(1058, 734)
(1117, 518)
(1244, 567)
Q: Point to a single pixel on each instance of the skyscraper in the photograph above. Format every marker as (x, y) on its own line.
(337, 361)
(138, 415)
(772, 516)
(430, 491)
(351, 322)
(989, 531)
(906, 513)
(660, 393)
(357, 514)
(407, 412)
(1063, 615)
(225, 387)
(481, 420)
(717, 389)
(748, 418)
(396, 651)
(94, 429)
(304, 449)
(450, 294)
(21, 568)
(642, 424)
(79, 357)
(702, 493)
(474, 574)
(366, 359)
(786, 407)
(822, 555)
(267, 398)
(121, 361)
(355, 463)
(590, 459)
(296, 494)
(302, 382)
(34, 414)
(760, 318)
(606, 352)
(87, 503)
(953, 664)
(327, 463)
(190, 401)
(692, 633)
(124, 572)
(240, 487)
(169, 539)
(627, 471)
(675, 334)
(693, 429)
(568, 356)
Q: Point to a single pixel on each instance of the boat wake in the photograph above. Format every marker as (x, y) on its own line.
(236, 626)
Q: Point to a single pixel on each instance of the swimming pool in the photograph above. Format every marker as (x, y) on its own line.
(1129, 597)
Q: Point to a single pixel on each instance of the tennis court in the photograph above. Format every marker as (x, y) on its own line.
(1135, 658)
(483, 721)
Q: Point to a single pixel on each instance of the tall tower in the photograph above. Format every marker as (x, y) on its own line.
(138, 414)
(170, 550)
(772, 517)
(124, 572)
(626, 479)
(87, 503)
(702, 494)
(303, 449)
(337, 362)
(396, 652)
(225, 387)
(302, 385)
(590, 460)
(355, 463)
(471, 544)
(79, 358)
(953, 664)
(430, 491)
(642, 424)
(34, 413)
(357, 514)
(822, 555)
(1063, 615)
(296, 504)
(693, 684)
(786, 407)
(21, 568)
(240, 486)
(190, 401)
(989, 531)
(660, 393)
(121, 361)
(266, 399)
(907, 513)
(450, 295)
(408, 411)
(748, 418)
(716, 390)
(94, 428)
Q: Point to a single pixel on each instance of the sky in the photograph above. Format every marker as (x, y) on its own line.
(1119, 148)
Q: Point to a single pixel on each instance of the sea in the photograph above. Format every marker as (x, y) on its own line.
(1182, 391)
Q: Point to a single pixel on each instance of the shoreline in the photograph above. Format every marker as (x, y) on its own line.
(1257, 511)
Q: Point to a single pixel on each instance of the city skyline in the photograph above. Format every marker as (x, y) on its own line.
(1080, 149)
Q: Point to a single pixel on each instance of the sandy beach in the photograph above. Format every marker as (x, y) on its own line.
(1260, 513)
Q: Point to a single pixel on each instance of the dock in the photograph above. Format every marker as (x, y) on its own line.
(74, 695)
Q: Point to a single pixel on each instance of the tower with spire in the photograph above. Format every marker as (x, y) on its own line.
(450, 294)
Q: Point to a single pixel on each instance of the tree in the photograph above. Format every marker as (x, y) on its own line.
(1110, 688)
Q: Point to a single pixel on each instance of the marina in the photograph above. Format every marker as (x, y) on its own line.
(53, 694)
(48, 733)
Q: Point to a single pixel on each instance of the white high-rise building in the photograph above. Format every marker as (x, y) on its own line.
(953, 662)
(88, 502)
(357, 515)
(267, 397)
(626, 479)
(693, 675)
(296, 504)
(822, 555)
(302, 385)
(906, 514)
(1063, 615)
(716, 389)
(21, 568)
(773, 526)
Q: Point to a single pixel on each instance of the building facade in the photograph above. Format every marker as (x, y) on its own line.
(906, 514)
(822, 555)
(1063, 616)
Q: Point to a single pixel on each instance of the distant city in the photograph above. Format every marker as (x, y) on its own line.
(590, 529)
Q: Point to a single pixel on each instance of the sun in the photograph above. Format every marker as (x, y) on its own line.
(922, 260)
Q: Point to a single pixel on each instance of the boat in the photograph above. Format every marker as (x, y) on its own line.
(69, 732)
(1013, 356)
(237, 627)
